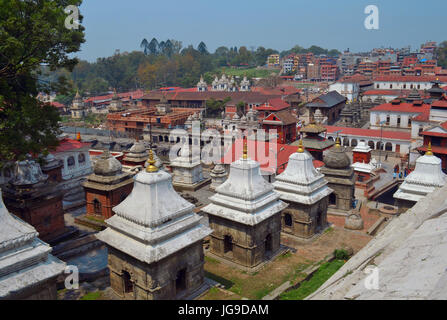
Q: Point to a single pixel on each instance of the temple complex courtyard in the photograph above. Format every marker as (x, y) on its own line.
(238, 284)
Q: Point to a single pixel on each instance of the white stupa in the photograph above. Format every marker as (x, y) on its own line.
(158, 228)
(187, 170)
(27, 269)
(245, 215)
(301, 182)
(306, 191)
(426, 178)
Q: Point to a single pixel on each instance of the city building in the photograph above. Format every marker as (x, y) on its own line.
(284, 122)
(330, 104)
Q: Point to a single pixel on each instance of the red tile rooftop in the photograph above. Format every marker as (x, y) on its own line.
(393, 78)
(273, 159)
(398, 135)
(403, 107)
(67, 144)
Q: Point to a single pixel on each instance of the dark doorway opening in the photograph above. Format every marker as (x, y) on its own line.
(288, 220)
(332, 199)
(228, 244)
(180, 281)
(268, 244)
(128, 285)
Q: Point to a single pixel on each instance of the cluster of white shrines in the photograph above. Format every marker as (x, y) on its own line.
(155, 238)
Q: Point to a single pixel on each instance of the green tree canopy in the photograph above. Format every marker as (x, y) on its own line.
(32, 34)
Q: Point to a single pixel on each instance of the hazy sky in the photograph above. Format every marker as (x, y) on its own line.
(277, 24)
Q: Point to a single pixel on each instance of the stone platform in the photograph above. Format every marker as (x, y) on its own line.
(190, 187)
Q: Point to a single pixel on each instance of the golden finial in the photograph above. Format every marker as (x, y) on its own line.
(337, 142)
(300, 146)
(245, 151)
(429, 152)
(151, 167)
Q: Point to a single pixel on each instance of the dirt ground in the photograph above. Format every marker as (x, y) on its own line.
(240, 284)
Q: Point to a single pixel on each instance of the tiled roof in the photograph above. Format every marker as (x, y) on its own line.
(282, 154)
(285, 117)
(403, 107)
(329, 99)
(67, 144)
(409, 78)
(399, 135)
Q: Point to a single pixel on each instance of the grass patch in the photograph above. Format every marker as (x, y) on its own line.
(325, 271)
(92, 296)
(249, 72)
(330, 229)
(91, 218)
(211, 260)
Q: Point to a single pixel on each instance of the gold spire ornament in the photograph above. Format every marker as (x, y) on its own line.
(245, 151)
(337, 142)
(300, 146)
(429, 152)
(151, 167)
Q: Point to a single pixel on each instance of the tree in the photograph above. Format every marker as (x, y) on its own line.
(144, 45)
(153, 46)
(442, 54)
(32, 33)
(202, 48)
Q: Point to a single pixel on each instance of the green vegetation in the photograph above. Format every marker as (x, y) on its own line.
(307, 287)
(32, 34)
(211, 260)
(168, 63)
(92, 296)
(442, 54)
(341, 254)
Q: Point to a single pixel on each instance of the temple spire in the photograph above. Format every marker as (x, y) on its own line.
(245, 151)
(151, 167)
(429, 152)
(337, 142)
(300, 146)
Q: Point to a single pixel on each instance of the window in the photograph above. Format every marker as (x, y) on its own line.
(391, 86)
(81, 158)
(97, 206)
(388, 120)
(71, 161)
(398, 121)
(419, 86)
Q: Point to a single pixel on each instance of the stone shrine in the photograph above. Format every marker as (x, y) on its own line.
(340, 177)
(33, 198)
(245, 215)
(426, 178)
(27, 269)
(107, 187)
(154, 241)
(306, 192)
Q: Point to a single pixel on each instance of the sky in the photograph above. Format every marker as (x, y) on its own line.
(277, 24)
